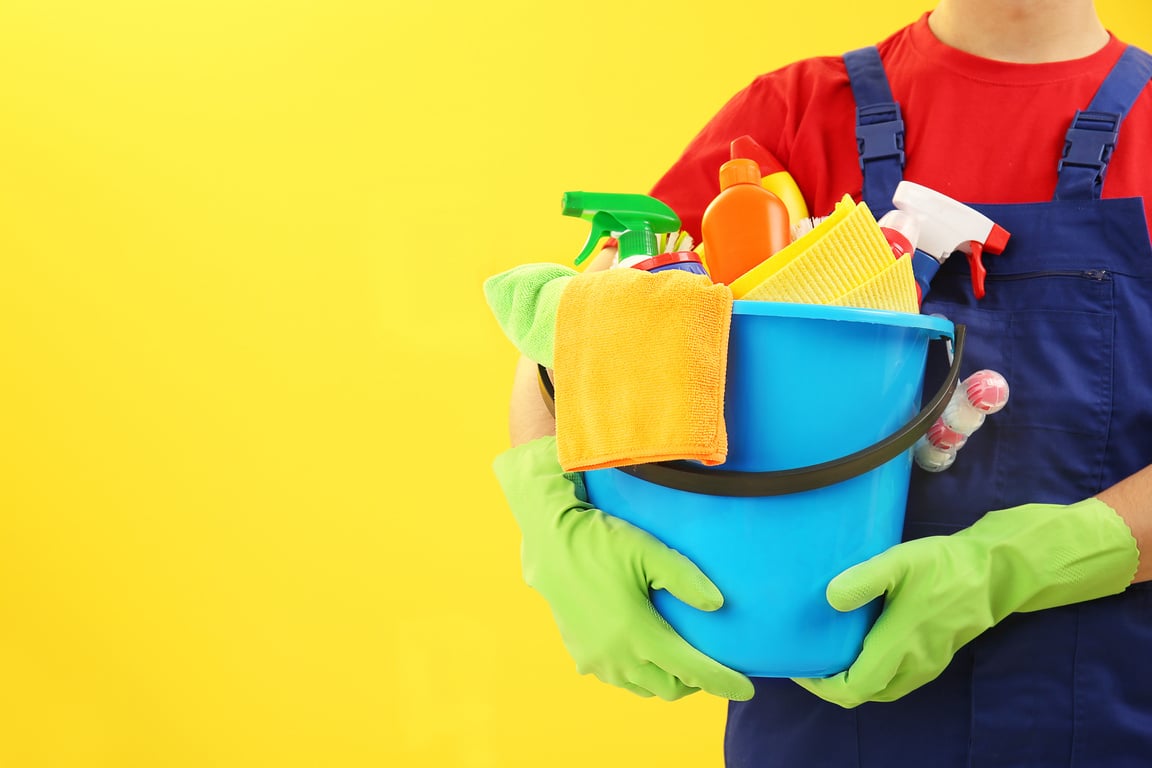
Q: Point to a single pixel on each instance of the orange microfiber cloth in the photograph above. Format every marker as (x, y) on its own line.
(640, 360)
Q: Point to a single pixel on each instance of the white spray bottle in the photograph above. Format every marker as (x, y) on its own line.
(947, 226)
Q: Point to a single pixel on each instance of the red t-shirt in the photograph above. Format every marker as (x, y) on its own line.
(980, 131)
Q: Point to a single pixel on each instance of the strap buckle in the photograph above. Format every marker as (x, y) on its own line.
(880, 132)
(1090, 141)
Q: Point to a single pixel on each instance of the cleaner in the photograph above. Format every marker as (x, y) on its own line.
(675, 253)
(946, 226)
(901, 231)
(774, 177)
(982, 393)
(744, 224)
(636, 220)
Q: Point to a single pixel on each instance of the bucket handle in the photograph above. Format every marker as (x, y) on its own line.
(694, 478)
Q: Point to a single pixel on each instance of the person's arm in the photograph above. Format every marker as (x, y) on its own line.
(528, 416)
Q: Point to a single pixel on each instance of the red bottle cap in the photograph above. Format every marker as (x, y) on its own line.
(664, 259)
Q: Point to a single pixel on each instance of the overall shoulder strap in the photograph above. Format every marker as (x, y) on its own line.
(1092, 137)
(879, 128)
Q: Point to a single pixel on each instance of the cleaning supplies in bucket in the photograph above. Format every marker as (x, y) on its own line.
(790, 476)
(774, 177)
(744, 224)
(637, 218)
(844, 261)
(829, 436)
(525, 300)
(641, 361)
(946, 226)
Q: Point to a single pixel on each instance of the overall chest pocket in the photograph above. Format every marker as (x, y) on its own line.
(1051, 334)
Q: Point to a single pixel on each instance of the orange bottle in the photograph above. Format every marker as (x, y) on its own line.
(744, 224)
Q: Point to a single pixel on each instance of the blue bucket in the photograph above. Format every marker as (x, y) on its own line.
(822, 406)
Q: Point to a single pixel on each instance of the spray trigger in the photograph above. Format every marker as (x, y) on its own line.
(603, 225)
(976, 266)
(995, 244)
(637, 219)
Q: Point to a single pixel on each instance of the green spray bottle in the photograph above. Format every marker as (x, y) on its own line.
(639, 218)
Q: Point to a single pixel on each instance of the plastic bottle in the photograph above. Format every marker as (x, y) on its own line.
(636, 218)
(902, 230)
(744, 224)
(685, 261)
(984, 392)
(947, 226)
(774, 177)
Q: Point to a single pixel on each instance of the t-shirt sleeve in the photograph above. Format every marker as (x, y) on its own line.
(803, 113)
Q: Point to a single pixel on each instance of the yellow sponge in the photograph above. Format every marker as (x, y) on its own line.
(796, 249)
(894, 288)
(837, 258)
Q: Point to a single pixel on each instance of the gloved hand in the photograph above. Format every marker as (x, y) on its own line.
(595, 571)
(943, 591)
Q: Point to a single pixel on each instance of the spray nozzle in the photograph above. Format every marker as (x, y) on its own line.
(637, 219)
(948, 226)
(997, 240)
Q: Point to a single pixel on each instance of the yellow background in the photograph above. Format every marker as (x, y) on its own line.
(249, 389)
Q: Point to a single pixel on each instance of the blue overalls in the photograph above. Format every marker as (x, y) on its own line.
(1068, 320)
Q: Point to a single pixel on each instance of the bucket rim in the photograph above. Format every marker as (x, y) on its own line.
(936, 323)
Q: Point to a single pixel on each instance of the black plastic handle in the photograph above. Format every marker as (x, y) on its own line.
(695, 478)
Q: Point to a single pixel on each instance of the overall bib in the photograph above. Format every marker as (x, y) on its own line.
(1067, 319)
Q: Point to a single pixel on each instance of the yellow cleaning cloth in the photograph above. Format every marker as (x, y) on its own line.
(640, 361)
(798, 247)
(837, 258)
(894, 288)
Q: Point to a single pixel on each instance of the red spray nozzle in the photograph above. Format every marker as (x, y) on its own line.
(995, 243)
(997, 240)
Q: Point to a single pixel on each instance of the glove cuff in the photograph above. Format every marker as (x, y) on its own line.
(1059, 555)
(538, 490)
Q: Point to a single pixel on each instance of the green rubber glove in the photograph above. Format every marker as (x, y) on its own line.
(595, 571)
(943, 591)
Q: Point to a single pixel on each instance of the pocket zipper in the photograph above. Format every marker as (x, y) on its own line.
(1086, 274)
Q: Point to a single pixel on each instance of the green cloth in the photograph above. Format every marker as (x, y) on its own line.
(596, 570)
(524, 300)
(943, 591)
